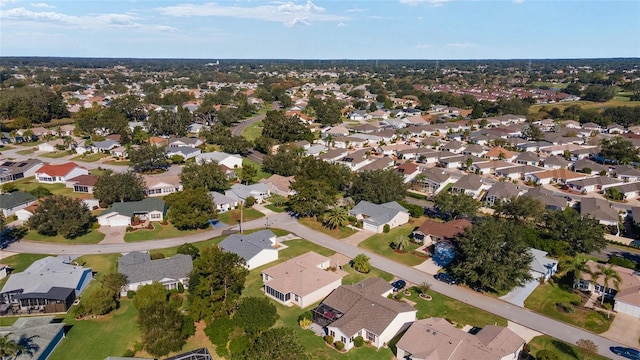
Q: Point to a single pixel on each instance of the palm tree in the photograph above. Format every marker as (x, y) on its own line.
(609, 273)
(8, 347)
(578, 266)
(361, 263)
(402, 242)
(338, 217)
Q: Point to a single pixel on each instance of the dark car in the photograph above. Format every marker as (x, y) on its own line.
(445, 278)
(629, 353)
(398, 285)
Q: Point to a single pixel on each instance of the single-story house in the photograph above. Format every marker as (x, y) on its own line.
(431, 181)
(187, 152)
(141, 270)
(630, 190)
(44, 333)
(302, 281)
(50, 284)
(363, 309)
(161, 185)
(104, 146)
(542, 267)
(61, 173)
(14, 201)
(122, 213)
(374, 217)
(502, 191)
(192, 142)
(51, 146)
(279, 184)
(241, 192)
(470, 184)
(232, 161)
(16, 170)
(256, 249)
(82, 184)
(222, 203)
(547, 198)
(626, 297)
(594, 184)
(627, 173)
(600, 210)
(560, 176)
(431, 232)
(437, 339)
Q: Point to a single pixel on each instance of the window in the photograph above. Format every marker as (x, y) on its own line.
(81, 188)
(155, 216)
(371, 336)
(343, 339)
(332, 333)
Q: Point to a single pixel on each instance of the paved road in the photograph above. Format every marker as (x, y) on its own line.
(516, 314)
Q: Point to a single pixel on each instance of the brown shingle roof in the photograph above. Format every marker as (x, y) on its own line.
(448, 230)
(301, 275)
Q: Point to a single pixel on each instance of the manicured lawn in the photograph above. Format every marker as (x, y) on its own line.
(118, 162)
(560, 348)
(158, 232)
(261, 174)
(274, 208)
(253, 131)
(93, 237)
(56, 189)
(56, 154)
(314, 224)
(109, 335)
(27, 151)
(558, 291)
(89, 157)
(232, 217)
(379, 244)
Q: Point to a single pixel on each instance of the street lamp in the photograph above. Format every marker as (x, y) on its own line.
(267, 225)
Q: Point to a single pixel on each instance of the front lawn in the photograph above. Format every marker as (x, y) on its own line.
(92, 237)
(277, 209)
(261, 174)
(56, 154)
(380, 244)
(159, 232)
(338, 233)
(118, 162)
(232, 217)
(31, 183)
(89, 157)
(560, 348)
(546, 299)
(27, 151)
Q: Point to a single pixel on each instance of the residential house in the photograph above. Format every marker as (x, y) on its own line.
(500, 153)
(279, 184)
(455, 147)
(475, 150)
(542, 267)
(600, 210)
(356, 160)
(408, 170)
(627, 173)
(589, 167)
(140, 270)
(528, 158)
(232, 161)
(123, 213)
(43, 333)
(547, 198)
(52, 174)
(630, 190)
(470, 184)
(490, 167)
(422, 155)
(257, 248)
(186, 152)
(518, 172)
(432, 180)
(82, 184)
(560, 176)
(185, 141)
(555, 163)
(437, 339)
(502, 191)
(105, 146)
(378, 164)
(14, 201)
(50, 284)
(431, 231)
(161, 185)
(51, 146)
(593, 184)
(16, 170)
(302, 281)
(119, 152)
(337, 131)
(222, 203)
(626, 297)
(363, 309)
(241, 192)
(374, 217)
(333, 155)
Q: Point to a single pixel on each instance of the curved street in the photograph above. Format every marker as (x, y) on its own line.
(540, 323)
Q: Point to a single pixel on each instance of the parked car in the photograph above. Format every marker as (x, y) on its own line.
(445, 278)
(398, 285)
(629, 353)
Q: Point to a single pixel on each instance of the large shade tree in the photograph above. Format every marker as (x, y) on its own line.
(378, 186)
(119, 187)
(208, 175)
(63, 215)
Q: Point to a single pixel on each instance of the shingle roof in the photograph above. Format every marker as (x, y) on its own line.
(139, 267)
(541, 263)
(130, 207)
(377, 214)
(248, 245)
(448, 230)
(301, 275)
(503, 190)
(41, 332)
(57, 170)
(8, 201)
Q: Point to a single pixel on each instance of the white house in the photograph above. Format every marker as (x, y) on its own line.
(140, 270)
(232, 161)
(241, 192)
(52, 174)
(374, 217)
(222, 203)
(122, 213)
(257, 248)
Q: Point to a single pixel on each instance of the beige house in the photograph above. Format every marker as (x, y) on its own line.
(279, 184)
(162, 185)
(627, 294)
(302, 281)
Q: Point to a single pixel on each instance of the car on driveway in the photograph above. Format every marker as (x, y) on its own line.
(398, 285)
(445, 278)
(627, 352)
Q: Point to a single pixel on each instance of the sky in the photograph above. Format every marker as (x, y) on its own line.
(336, 29)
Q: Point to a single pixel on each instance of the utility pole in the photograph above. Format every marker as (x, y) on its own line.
(241, 206)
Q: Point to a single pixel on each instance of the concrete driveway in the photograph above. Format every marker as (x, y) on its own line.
(113, 234)
(624, 329)
(518, 295)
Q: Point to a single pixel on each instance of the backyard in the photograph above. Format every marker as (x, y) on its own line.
(380, 244)
(559, 348)
(338, 233)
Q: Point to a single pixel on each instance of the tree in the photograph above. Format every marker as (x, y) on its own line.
(588, 347)
(149, 295)
(533, 133)
(190, 209)
(100, 301)
(577, 266)
(189, 249)
(312, 197)
(361, 263)
(599, 93)
(255, 314)
(119, 187)
(456, 206)
(401, 243)
(609, 274)
(148, 158)
(247, 173)
(277, 343)
(336, 218)
(582, 234)
(619, 150)
(378, 186)
(614, 194)
(165, 123)
(492, 254)
(161, 327)
(285, 163)
(8, 347)
(3, 223)
(35, 104)
(207, 176)
(63, 215)
(215, 283)
(523, 209)
(282, 128)
(114, 283)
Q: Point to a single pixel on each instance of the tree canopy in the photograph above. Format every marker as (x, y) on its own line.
(619, 150)
(283, 128)
(208, 175)
(63, 215)
(119, 187)
(148, 158)
(34, 104)
(277, 343)
(190, 209)
(378, 186)
(255, 314)
(455, 206)
(581, 234)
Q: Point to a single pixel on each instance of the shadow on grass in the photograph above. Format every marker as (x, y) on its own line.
(565, 349)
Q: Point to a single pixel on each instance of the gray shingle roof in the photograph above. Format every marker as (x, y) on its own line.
(45, 274)
(139, 267)
(377, 214)
(41, 332)
(8, 201)
(130, 207)
(248, 245)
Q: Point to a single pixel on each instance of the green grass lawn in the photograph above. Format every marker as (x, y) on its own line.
(314, 224)
(93, 237)
(56, 154)
(560, 348)
(253, 131)
(109, 335)
(274, 208)
(31, 183)
(27, 151)
(379, 244)
(159, 232)
(261, 174)
(118, 162)
(89, 157)
(545, 298)
(232, 217)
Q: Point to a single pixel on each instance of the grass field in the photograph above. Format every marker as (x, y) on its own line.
(274, 208)
(338, 233)
(618, 100)
(31, 183)
(253, 131)
(56, 154)
(261, 174)
(380, 244)
(232, 217)
(159, 232)
(89, 157)
(27, 151)
(93, 237)
(118, 162)
(561, 349)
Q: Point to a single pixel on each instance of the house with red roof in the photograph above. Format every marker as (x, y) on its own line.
(432, 231)
(82, 183)
(59, 173)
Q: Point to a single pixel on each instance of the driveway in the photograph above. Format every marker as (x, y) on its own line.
(113, 234)
(428, 266)
(358, 237)
(518, 295)
(624, 329)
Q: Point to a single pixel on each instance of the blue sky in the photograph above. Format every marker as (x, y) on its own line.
(381, 29)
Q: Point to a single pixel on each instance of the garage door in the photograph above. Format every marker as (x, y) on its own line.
(118, 221)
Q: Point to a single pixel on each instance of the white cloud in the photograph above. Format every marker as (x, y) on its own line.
(102, 20)
(7, 2)
(288, 13)
(166, 28)
(42, 5)
(432, 3)
(356, 10)
(460, 45)
(423, 46)
(341, 24)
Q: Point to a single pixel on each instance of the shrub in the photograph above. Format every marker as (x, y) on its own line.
(157, 255)
(328, 339)
(150, 226)
(250, 201)
(546, 355)
(339, 345)
(358, 341)
(129, 229)
(180, 288)
(129, 353)
(188, 327)
(386, 228)
(218, 331)
(238, 346)
(624, 262)
(95, 226)
(306, 315)
(304, 323)
(131, 294)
